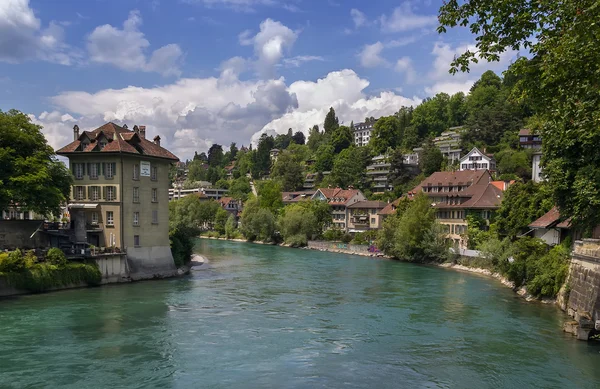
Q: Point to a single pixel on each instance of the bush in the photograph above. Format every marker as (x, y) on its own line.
(333, 234)
(14, 262)
(43, 277)
(298, 240)
(56, 257)
(549, 272)
(182, 245)
(346, 238)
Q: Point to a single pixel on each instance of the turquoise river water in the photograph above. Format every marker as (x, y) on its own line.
(272, 317)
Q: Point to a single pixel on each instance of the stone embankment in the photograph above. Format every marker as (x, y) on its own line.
(345, 248)
(581, 297)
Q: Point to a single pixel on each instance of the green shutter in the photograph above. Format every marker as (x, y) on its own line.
(114, 168)
(88, 169)
(83, 168)
(104, 192)
(102, 167)
(98, 169)
(73, 168)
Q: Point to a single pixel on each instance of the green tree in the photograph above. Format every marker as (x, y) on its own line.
(233, 150)
(324, 158)
(30, 175)
(197, 171)
(221, 220)
(288, 171)
(387, 133)
(431, 159)
(257, 223)
(269, 195)
(240, 188)
(299, 138)
(297, 224)
(331, 122)
(514, 162)
(400, 174)
(348, 168)
(431, 116)
(341, 138)
(261, 163)
(315, 138)
(559, 82)
(215, 156)
(230, 227)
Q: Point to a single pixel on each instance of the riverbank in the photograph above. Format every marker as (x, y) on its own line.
(362, 250)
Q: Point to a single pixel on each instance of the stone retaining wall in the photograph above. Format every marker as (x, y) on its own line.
(340, 247)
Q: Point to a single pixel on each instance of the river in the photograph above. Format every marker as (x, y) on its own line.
(271, 317)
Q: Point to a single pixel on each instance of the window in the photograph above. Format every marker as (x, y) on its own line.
(95, 193)
(136, 195)
(109, 171)
(136, 218)
(79, 193)
(136, 240)
(136, 172)
(110, 193)
(78, 170)
(372, 220)
(93, 170)
(26, 215)
(94, 218)
(154, 216)
(109, 218)
(154, 195)
(154, 173)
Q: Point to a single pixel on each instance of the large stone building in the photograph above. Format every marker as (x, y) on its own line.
(454, 195)
(120, 195)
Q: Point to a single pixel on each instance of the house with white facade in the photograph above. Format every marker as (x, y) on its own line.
(476, 160)
(362, 133)
(536, 169)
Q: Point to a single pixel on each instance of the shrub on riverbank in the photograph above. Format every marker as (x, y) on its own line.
(26, 273)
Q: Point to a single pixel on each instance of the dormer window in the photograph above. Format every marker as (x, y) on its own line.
(102, 143)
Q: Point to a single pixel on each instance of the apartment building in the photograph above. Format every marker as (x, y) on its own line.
(449, 144)
(454, 195)
(120, 194)
(364, 216)
(204, 192)
(529, 140)
(378, 172)
(339, 199)
(362, 133)
(476, 160)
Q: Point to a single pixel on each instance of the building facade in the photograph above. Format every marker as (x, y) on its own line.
(120, 195)
(449, 144)
(378, 172)
(340, 200)
(536, 168)
(364, 216)
(476, 160)
(362, 133)
(529, 140)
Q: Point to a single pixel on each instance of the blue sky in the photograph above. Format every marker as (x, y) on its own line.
(203, 71)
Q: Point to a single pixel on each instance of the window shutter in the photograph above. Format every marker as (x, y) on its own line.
(103, 169)
(88, 169)
(89, 192)
(73, 168)
(83, 168)
(114, 168)
(104, 192)
(98, 169)
(114, 193)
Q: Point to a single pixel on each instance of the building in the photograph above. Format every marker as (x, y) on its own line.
(362, 133)
(231, 205)
(309, 180)
(294, 197)
(120, 195)
(476, 160)
(378, 173)
(20, 213)
(274, 153)
(529, 140)
(340, 200)
(536, 168)
(413, 158)
(364, 216)
(449, 144)
(551, 228)
(455, 195)
(229, 170)
(206, 192)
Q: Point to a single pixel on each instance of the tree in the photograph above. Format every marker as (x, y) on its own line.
(341, 139)
(348, 168)
(221, 220)
(261, 163)
(269, 196)
(431, 116)
(514, 162)
(240, 188)
(230, 227)
(299, 138)
(233, 150)
(559, 83)
(257, 223)
(331, 122)
(315, 138)
(399, 174)
(30, 175)
(387, 133)
(197, 171)
(215, 155)
(288, 171)
(282, 141)
(324, 158)
(431, 159)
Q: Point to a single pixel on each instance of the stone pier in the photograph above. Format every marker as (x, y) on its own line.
(583, 290)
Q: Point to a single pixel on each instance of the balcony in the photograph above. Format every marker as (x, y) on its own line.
(375, 172)
(94, 227)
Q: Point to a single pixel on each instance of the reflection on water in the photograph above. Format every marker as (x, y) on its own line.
(263, 316)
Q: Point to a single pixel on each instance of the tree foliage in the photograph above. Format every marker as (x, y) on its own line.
(288, 170)
(559, 82)
(30, 175)
(331, 122)
(387, 133)
(431, 159)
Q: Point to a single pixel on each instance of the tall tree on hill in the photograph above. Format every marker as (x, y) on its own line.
(431, 116)
(215, 155)
(341, 138)
(233, 150)
(30, 175)
(288, 171)
(386, 134)
(299, 138)
(261, 163)
(315, 138)
(324, 158)
(331, 122)
(399, 174)
(560, 82)
(431, 159)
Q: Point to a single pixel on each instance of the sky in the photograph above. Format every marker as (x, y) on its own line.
(198, 72)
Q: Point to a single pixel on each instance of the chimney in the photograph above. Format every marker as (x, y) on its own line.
(143, 132)
(75, 132)
(157, 140)
(136, 129)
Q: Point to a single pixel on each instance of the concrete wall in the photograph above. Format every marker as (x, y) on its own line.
(114, 268)
(16, 234)
(150, 262)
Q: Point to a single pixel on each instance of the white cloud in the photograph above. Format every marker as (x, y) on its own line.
(193, 113)
(270, 45)
(405, 66)
(298, 60)
(404, 19)
(359, 18)
(342, 90)
(126, 48)
(449, 87)
(22, 37)
(244, 5)
(370, 56)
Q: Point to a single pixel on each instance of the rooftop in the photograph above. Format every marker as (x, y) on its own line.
(550, 219)
(117, 139)
(368, 204)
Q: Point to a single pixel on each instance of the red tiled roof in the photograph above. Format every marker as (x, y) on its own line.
(120, 140)
(338, 193)
(524, 132)
(455, 178)
(551, 219)
(294, 197)
(225, 200)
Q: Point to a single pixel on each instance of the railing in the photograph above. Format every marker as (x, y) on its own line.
(50, 226)
(94, 227)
